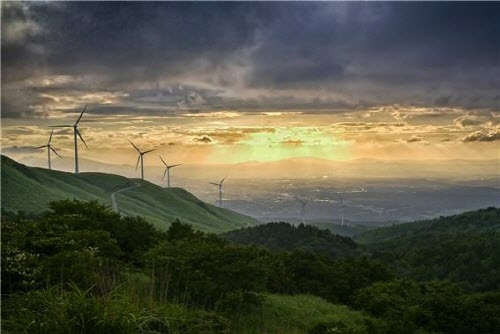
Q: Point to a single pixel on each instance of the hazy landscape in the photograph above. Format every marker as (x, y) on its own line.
(365, 201)
(413, 192)
(250, 167)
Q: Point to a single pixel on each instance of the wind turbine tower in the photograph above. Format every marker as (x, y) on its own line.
(302, 208)
(140, 158)
(342, 205)
(167, 170)
(75, 134)
(220, 190)
(49, 148)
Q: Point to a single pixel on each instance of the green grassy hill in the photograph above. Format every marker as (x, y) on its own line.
(30, 189)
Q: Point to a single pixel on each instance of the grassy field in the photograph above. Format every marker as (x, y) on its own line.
(31, 189)
(284, 314)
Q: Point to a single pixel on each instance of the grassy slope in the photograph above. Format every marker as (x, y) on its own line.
(480, 221)
(283, 314)
(32, 189)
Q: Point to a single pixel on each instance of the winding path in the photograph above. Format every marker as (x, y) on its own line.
(114, 203)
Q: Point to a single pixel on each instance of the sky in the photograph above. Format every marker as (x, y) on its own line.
(254, 84)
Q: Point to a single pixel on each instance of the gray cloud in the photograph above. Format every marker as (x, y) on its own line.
(468, 120)
(248, 55)
(478, 118)
(482, 136)
(203, 139)
(20, 149)
(414, 139)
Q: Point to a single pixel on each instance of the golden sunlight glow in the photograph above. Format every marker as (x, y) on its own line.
(288, 143)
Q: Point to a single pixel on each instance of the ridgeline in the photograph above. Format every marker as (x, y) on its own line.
(31, 189)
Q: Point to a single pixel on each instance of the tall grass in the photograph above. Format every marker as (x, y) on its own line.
(126, 309)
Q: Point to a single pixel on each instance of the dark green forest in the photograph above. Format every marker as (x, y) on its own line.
(284, 236)
(81, 268)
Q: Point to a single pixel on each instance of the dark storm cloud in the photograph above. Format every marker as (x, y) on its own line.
(389, 41)
(304, 55)
(136, 38)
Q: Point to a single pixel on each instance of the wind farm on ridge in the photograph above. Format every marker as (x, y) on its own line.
(140, 160)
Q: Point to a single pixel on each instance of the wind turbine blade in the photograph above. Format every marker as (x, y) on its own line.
(61, 126)
(50, 138)
(164, 173)
(215, 184)
(175, 165)
(149, 151)
(79, 135)
(55, 152)
(223, 180)
(80, 117)
(36, 148)
(137, 164)
(163, 161)
(135, 147)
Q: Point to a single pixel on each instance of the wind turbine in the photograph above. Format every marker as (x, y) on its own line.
(302, 208)
(220, 190)
(167, 170)
(140, 158)
(75, 133)
(342, 206)
(49, 148)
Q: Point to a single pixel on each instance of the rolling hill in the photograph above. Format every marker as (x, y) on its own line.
(463, 248)
(30, 189)
(284, 236)
(480, 221)
(347, 230)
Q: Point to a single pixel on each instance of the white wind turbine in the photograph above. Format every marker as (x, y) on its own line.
(140, 158)
(75, 134)
(220, 190)
(342, 206)
(302, 208)
(49, 148)
(167, 171)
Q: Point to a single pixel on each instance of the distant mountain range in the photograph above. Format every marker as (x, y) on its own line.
(291, 168)
(31, 189)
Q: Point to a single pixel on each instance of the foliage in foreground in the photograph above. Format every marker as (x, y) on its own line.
(74, 241)
(57, 311)
(206, 269)
(81, 268)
